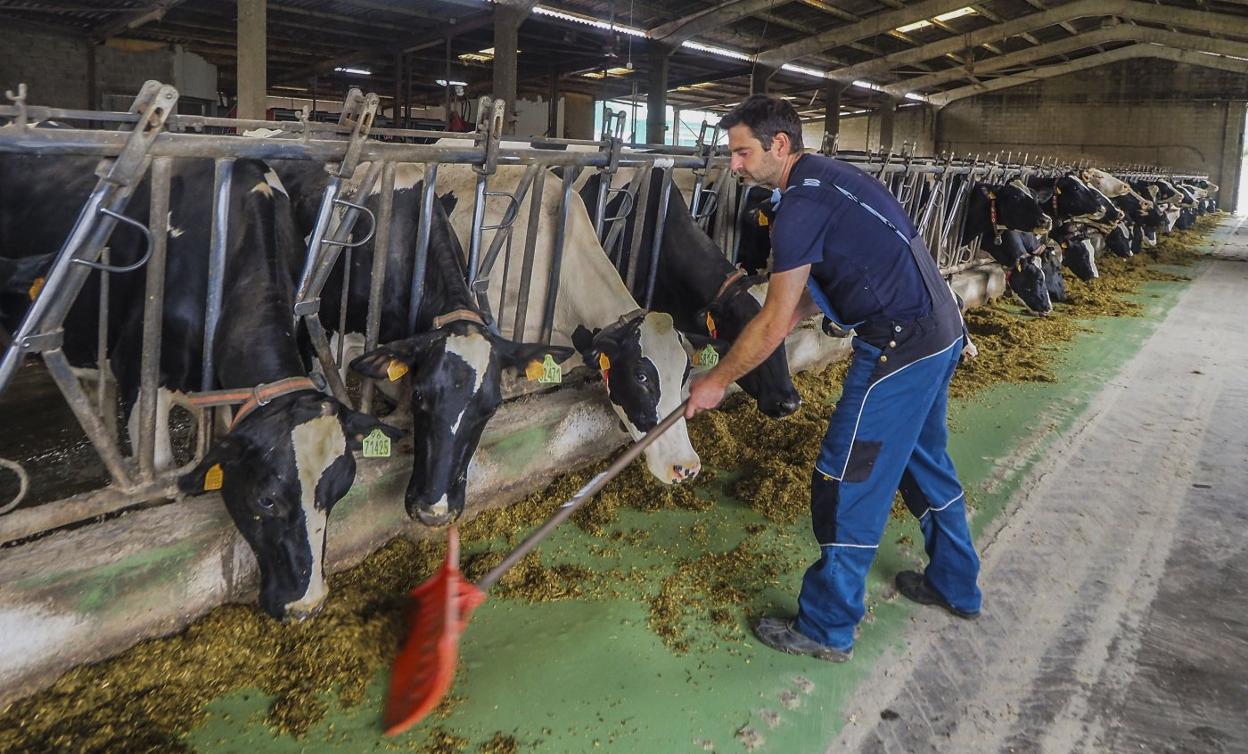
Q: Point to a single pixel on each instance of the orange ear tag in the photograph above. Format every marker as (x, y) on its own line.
(605, 365)
(534, 371)
(35, 287)
(710, 326)
(763, 222)
(395, 370)
(214, 478)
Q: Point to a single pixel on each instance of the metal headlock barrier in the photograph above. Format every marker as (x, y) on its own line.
(142, 143)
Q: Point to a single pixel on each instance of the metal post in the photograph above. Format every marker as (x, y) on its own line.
(530, 248)
(153, 319)
(639, 224)
(80, 404)
(421, 259)
(222, 179)
(376, 284)
(556, 260)
(656, 247)
(478, 217)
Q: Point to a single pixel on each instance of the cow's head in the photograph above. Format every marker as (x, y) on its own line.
(453, 377)
(1010, 206)
(1026, 279)
(280, 472)
(1078, 254)
(1073, 198)
(1104, 182)
(1053, 278)
(1118, 241)
(770, 383)
(645, 364)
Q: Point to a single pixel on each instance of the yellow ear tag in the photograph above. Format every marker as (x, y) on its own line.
(214, 478)
(763, 222)
(992, 195)
(395, 370)
(710, 326)
(604, 364)
(1057, 191)
(35, 287)
(552, 373)
(534, 371)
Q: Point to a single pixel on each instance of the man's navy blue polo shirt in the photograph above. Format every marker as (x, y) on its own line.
(862, 266)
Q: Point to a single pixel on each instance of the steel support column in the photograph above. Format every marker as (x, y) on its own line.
(252, 58)
(507, 20)
(888, 118)
(656, 96)
(832, 109)
(759, 77)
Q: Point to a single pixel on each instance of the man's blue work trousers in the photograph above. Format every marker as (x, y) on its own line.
(888, 432)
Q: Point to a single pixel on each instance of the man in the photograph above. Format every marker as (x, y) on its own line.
(842, 245)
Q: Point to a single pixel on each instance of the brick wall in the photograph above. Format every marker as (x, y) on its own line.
(862, 132)
(1183, 117)
(53, 67)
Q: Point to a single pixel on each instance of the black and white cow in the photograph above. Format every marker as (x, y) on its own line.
(1019, 254)
(448, 362)
(287, 460)
(1077, 251)
(992, 210)
(644, 360)
(698, 286)
(1066, 197)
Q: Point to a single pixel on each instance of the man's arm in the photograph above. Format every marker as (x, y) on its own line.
(787, 304)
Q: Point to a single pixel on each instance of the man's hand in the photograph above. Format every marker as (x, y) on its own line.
(706, 391)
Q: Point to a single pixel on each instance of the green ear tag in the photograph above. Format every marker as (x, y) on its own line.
(552, 373)
(376, 445)
(708, 357)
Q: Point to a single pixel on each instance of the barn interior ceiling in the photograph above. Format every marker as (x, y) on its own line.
(938, 50)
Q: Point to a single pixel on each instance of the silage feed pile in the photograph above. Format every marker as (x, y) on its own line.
(150, 697)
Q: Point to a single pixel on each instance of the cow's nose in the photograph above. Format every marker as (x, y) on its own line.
(683, 473)
(781, 408)
(430, 517)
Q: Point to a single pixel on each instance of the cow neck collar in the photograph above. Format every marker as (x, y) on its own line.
(737, 274)
(457, 315)
(254, 397)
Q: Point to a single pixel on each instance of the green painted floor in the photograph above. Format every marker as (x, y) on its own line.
(587, 676)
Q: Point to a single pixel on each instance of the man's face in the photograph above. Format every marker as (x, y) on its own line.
(749, 159)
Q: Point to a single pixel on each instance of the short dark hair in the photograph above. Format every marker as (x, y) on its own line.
(766, 117)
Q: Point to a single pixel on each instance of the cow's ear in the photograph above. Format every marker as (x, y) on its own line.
(18, 276)
(357, 426)
(393, 360)
(513, 355)
(448, 201)
(583, 340)
(209, 474)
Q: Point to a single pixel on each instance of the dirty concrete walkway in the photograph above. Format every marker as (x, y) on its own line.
(1116, 595)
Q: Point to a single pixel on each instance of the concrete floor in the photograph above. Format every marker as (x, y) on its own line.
(1116, 595)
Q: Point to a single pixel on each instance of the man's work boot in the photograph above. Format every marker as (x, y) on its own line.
(780, 634)
(914, 587)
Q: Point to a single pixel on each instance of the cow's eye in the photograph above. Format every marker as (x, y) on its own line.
(641, 377)
(266, 503)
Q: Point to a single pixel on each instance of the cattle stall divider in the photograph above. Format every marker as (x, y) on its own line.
(152, 137)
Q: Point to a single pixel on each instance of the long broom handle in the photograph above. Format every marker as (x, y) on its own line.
(584, 493)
